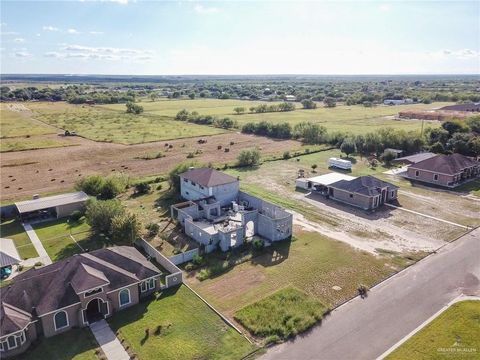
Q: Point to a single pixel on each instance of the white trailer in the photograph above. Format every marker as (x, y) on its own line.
(340, 163)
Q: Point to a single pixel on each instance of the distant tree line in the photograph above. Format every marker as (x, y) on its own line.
(196, 118)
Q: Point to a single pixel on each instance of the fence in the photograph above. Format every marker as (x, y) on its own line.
(183, 257)
(176, 275)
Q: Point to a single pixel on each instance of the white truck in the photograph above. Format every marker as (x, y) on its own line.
(340, 163)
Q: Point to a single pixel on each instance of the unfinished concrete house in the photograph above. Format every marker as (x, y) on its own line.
(218, 214)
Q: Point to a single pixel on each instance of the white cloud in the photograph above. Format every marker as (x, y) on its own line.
(96, 32)
(50, 28)
(122, 2)
(106, 50)
(205, 10)
(37, 34)
(52, 54)
(21, 54)
(384, 7)
(73, 31)
(74, 51)
(19, 40)
(9, 33)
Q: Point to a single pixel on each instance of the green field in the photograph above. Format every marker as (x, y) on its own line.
(101, 124)
(283, 314)
(13, 229)
(56, 237)
(180, 326)
(454, 334)
(75, 344)
(355, 119)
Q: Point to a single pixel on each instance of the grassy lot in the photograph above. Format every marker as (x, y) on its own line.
(281, 315)
(356, 119)
(31, 143)
(55, 237)
(180, 326)
(454, 334)
(472, 187)
(102, 124)
(13, 229)
(313, 263)
(75, 344)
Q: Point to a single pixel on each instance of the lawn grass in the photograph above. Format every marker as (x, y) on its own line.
(281, 315)
(180, 326)
(13, 229)
(103, 124)
(30, 143)
(19, 123)
(75, 344)
(312, 263)
(454, 334)
(472, 187)
(355, 119)
(55, 237)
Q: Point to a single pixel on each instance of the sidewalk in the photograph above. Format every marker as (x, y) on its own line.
(107, 340)
(43, 256)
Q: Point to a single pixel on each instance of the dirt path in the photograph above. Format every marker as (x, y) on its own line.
(29, 172)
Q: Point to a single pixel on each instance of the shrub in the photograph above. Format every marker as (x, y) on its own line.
(153, 228)
(125, 227)
(197, 259)
(257, 244)
(142, 188)
(76, 215)
(133, 108)
(100, 213)
(348, 146)
(286, 155)
(249, 157)
(190, 155)
(388, 157)
(91, 185)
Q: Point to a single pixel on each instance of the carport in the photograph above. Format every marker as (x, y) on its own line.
(51, 207)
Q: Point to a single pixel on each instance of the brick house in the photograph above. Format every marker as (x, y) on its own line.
(72, 293)
(365, 192)
(445, 170)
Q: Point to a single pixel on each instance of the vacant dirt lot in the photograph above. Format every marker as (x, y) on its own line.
(24, 173)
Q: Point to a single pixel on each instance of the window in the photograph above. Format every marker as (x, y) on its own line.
(193, 183)
(124, 297)
(435, 177)
(21, 337)
(201, 187)
(417, 173)
(151, 284)
(393, 193)
(93, 292)
(12, 343)
(61, 320)
(3, 346)
(143, 286)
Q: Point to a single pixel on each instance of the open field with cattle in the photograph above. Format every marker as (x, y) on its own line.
(355, 119)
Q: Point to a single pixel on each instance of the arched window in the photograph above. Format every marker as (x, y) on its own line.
(124, 297)
(61, 320)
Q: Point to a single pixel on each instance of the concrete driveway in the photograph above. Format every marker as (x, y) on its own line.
(365, 329)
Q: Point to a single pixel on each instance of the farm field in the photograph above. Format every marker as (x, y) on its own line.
(13, 229)
(21, 132)
(454, 334)
(56, 237)
(355, 119)
(25, 173)
(76, 344)
(101, 124)
(181, 327)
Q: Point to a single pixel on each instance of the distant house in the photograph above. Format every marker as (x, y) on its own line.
(365, 192)
(445, 170)
(219, 215)
(397, 101)
(290, 98)
(56, 206)
(413, 159)
(72, 293)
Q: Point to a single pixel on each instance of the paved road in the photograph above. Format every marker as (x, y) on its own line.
(365, 329)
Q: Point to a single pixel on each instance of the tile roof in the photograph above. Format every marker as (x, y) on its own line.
(43, 290)
(446, 164)
(365, 185)
(51, 201)
(208, 177)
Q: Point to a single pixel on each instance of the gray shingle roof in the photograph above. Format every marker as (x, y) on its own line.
(51, 201)
(365, 185)
(413, 159)
(208, 177)
(446, 164)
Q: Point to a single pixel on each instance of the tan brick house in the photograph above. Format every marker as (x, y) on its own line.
(445, 170)
(72, 293)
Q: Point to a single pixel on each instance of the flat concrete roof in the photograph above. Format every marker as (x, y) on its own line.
(330, 178)
(51, 201)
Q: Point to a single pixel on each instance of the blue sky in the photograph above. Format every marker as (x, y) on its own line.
(240, 37)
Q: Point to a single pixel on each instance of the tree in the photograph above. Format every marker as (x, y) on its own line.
(111, 188)
(437, 148)
(454, 126)
(348, 146)
(309, 104)
(182, 115)
(91, 185)
(191, 96)
(474, 124)
(125, 228)
(153, 96)
(330, 102)
(174, 178)
(239, 110)
(133, 108)
(249, 157)
(388, 156)
(142, 188)
(99, 214)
